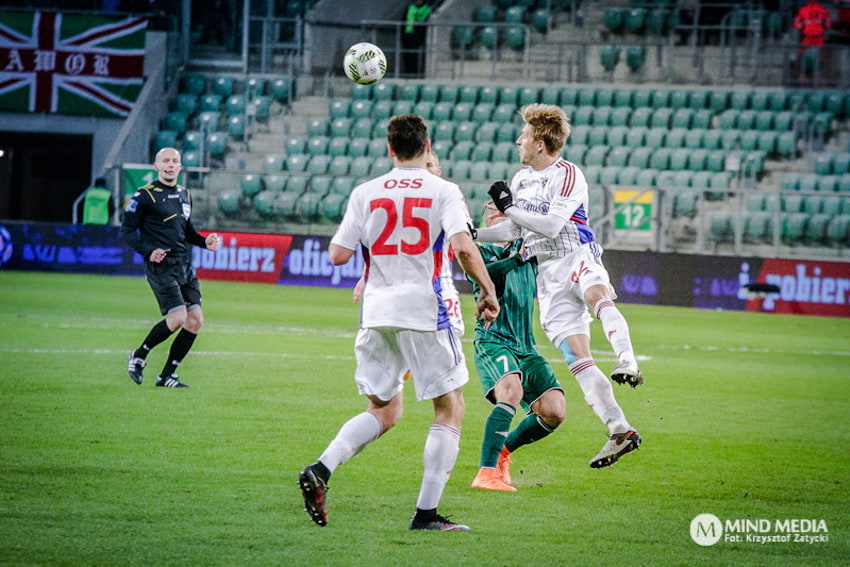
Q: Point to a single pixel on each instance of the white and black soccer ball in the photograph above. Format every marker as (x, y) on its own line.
(364, 63)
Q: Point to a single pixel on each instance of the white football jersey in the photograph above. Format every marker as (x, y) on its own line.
(404, 220)
(559, 189)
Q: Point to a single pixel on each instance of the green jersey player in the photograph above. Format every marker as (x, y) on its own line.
(511, 371)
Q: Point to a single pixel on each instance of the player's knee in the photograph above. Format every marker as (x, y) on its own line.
(194, 321)
(565, 349)
(553, 409)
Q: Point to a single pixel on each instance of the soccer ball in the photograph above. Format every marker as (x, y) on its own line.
(364, 63)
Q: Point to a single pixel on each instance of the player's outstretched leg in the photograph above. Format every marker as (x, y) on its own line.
(313, 482)
(618, 444)
(617, 331)
(627, 372)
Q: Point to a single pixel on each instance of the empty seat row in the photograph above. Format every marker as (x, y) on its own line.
(795, 203)
(817, 100)
(815, 182)
(197, 84)
(832, 163)
(649, 177)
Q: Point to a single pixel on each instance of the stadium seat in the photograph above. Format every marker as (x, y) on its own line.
(274, 183)
(176, 120)
(636, 136)
(609, 57)
(295, 145)
(569, 96)
(675, 138)
(462, 150)
(165, 139)
(596, 155)
(186, 103)
(597, 136)
(614, 19)
(274, 162)
(838, 231)
(616, 136)
(463, 37)
(424, 108)
(656, 137)
(816, 229)
(318, 145)
(646, 178)
(697, 159)
(505, 113)
(695, 138)
(507, 133)
(340, 165)
(217, 144)
(486, 132)
(679, 158)
(377, 147)
(619, 156)
(381, 166)
(482, 151)
(721, 226)
(483, 112)
(360, 166)
(338, 146)
(296, 163)
(192, 159)
(828, 183)
(250, 184)
(640, 157)
(640, 117)
(702, 118)
(642, 98)
(280, 90)
(718, 101)
(628, 175)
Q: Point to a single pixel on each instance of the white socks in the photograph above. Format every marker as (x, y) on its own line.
(599, 395)
(441, 449)
(616, 329)
(355, 434)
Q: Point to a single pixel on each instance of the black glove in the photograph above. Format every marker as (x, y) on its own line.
(501, 195)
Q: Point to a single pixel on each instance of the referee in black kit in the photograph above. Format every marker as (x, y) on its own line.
(157, 225)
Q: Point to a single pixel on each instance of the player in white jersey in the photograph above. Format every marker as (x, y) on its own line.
(451, 297)
(547, 204)
(403, 220)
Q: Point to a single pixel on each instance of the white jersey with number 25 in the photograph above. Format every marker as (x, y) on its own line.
(403, 220)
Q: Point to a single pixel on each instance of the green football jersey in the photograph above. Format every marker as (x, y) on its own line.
(515, 288)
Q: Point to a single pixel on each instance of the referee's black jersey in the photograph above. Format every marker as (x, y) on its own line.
(158, 216)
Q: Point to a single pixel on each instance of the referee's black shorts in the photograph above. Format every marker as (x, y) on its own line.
(174, 284)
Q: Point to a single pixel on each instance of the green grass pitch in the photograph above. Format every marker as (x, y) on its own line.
(743, 415)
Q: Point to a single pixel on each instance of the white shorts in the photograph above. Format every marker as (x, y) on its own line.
(561, 283)
(384, 355)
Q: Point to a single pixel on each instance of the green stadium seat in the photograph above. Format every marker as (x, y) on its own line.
(584, 115)
(609, 175)
(695, 138)
(597, 155)
(794, 227)
(623, 98)
(680, 99)
(358, 109)
(586, 97)
(636, 136)
(640, 157)
(483, 112)
(777, 101)
(528, 95)
(444, 132)
(505, 112)
(176, 121)
(661, 99)
(792, 203)
(362, 128)
(236, 127)
(408, 92)
(838, 231)
(715, 161)
(280, 90)
(609, 57)
(718, 101)
(508, 95)
(740, 100)
(597, 136)
(504, 152)
(616, 136)
(424, 108)
(228, 202)
(514, 37)
(640, 117)
(297, 163)
(666, 179)
(580, 134)
(274, 183)
(646, 178)
(786, 145)
(828, 183)
(318, 145)
(192, 158)
(210, 103)
(274, 162)
(569, 97)
(816, 229)
(679, 158)
(619, 116)
(486, 132)
(223, 85)
(619, 156)
(753, 202)
(844, 187)
(748, 140)
(379, 128)
(614, 20)
(660, 159)
(463, 37)
(841, 163)
(217, 143)
(484, 14)
(339, 127)
(831, 205)
(823, 164)
(576, 152)
(186, 103)
(701, 179)
(381, 109)
(712, 139)
(507, 133)
(758, 227)
(460, 169)
(702, 118)
(361, 92)
(461, 111)
(656, 137)
(601, 115)
(462, 150)
(360, 166)
(747, 119)
(685, 204)
(295, 145)
(251, 184)
(697, 159)
(340, 165)
(730, 139)
(764, 120)
(628, 175)
(790, 182)
(682, 118)
(442, 111)
(808, 182)
(381, 166)
(377, 148)
(721, 226)
(592, 173)
(383, 91)
(320, 185)
(541, 19)
(675, 138)
(235, 104)
(165, 139)
(767, 141)
(482, 151)
(642, 98)
(550, 95)
(728, 120)
(195, 83)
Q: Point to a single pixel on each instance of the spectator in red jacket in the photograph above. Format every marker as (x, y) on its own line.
(812, 20)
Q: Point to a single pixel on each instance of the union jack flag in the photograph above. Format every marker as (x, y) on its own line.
(70, 64)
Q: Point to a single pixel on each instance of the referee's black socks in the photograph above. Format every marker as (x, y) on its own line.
(179, 348)
(157, 334)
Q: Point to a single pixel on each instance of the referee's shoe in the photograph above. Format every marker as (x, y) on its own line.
(135, 367)
(170, 381)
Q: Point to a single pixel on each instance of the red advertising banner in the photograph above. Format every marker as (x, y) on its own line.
(243, 257)
(806, 287)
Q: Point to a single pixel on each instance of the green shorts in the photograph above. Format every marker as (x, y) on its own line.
(495, 360)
